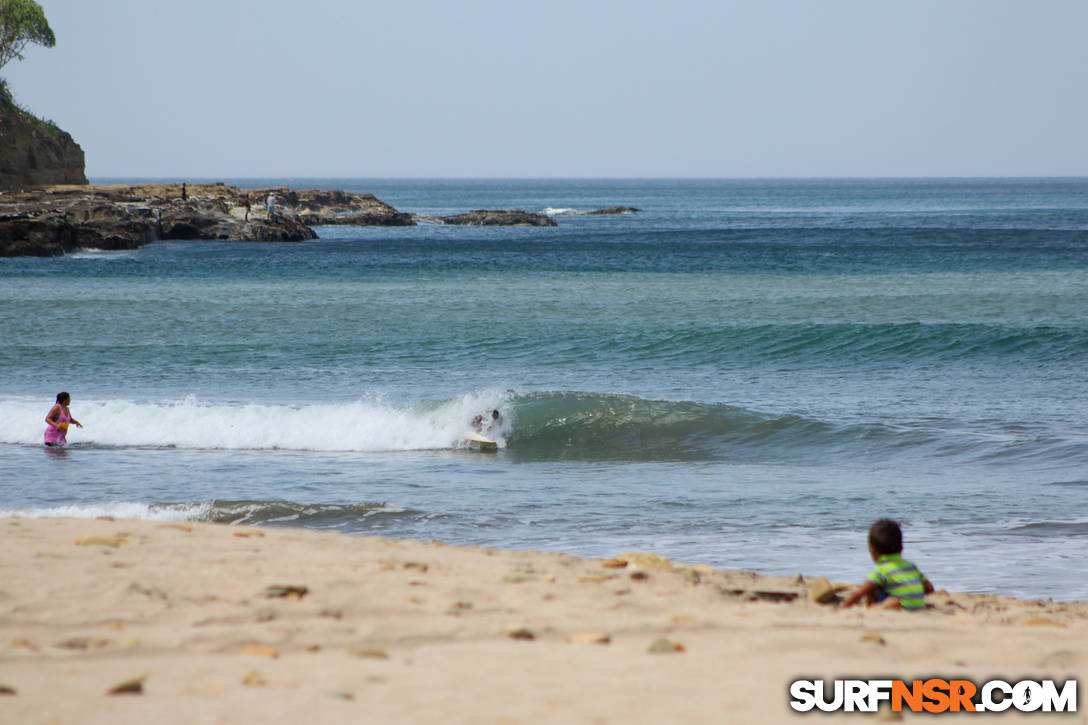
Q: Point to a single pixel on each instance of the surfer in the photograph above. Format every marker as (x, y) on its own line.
(478, 423)
(57, 420)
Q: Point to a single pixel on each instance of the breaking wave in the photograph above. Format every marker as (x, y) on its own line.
(558, 425)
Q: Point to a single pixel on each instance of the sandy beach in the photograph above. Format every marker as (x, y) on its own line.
(212, 623)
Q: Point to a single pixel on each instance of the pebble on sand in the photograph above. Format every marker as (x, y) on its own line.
(873, 637)
(129, 687)
(665, 646)
(371, 653)
(84, 643)
(112, 541)
(520, 633)
(260, 651)
(286, 591)
(519, 576)
(254, 679)
(821, 591)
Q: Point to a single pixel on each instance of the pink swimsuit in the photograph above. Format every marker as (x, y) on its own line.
(55, 436)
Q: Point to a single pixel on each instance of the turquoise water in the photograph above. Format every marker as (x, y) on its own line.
(745, 374)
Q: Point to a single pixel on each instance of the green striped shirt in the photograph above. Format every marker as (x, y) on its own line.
(898, 578)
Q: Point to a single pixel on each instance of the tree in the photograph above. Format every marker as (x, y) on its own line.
(22, 22)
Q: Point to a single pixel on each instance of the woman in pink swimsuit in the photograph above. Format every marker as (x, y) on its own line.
(57, 420)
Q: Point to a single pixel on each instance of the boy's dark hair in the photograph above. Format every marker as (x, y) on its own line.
(886, 537)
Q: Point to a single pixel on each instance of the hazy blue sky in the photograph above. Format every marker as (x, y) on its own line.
(237, 88)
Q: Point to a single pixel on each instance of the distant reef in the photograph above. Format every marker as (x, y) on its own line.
(494, 218)
(614, 210)
(34, 152)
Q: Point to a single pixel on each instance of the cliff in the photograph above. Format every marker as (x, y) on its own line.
(35, 152)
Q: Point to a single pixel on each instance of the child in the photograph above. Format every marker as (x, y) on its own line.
(895, 583)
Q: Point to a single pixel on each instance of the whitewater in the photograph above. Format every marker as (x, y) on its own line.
(190, 424)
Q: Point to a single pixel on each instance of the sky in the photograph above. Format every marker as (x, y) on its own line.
(565, 88)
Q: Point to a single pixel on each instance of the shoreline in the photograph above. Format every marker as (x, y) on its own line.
(230, 623)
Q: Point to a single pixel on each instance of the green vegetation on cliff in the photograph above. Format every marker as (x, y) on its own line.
(11, 113)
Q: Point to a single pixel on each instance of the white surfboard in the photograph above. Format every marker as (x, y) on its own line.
(477, 442)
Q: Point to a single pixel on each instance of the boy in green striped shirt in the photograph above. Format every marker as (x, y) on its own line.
(895, 583)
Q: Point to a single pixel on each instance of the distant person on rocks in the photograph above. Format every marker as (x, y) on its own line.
(247, 207)
(184, 193)
(270, 202)
(895, 583)
(57, 420)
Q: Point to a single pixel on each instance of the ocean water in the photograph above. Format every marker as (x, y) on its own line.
(745, 374)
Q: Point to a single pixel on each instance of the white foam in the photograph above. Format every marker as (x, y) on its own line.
(94, 253)
(191, 424)
(118, 510)
(559, 211)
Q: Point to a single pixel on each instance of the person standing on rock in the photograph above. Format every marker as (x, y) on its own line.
(184, 193)
(247, 207)
(270, 202)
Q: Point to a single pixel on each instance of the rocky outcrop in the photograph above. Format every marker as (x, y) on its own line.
(34, 152)
(60, 219)
(320, 207)
(213, 219)
(365, 219)
(382, 219)
(615, 210)
(54, 220)
(495, 218)
(51, 235)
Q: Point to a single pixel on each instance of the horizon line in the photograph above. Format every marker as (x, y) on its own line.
(207, 178)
